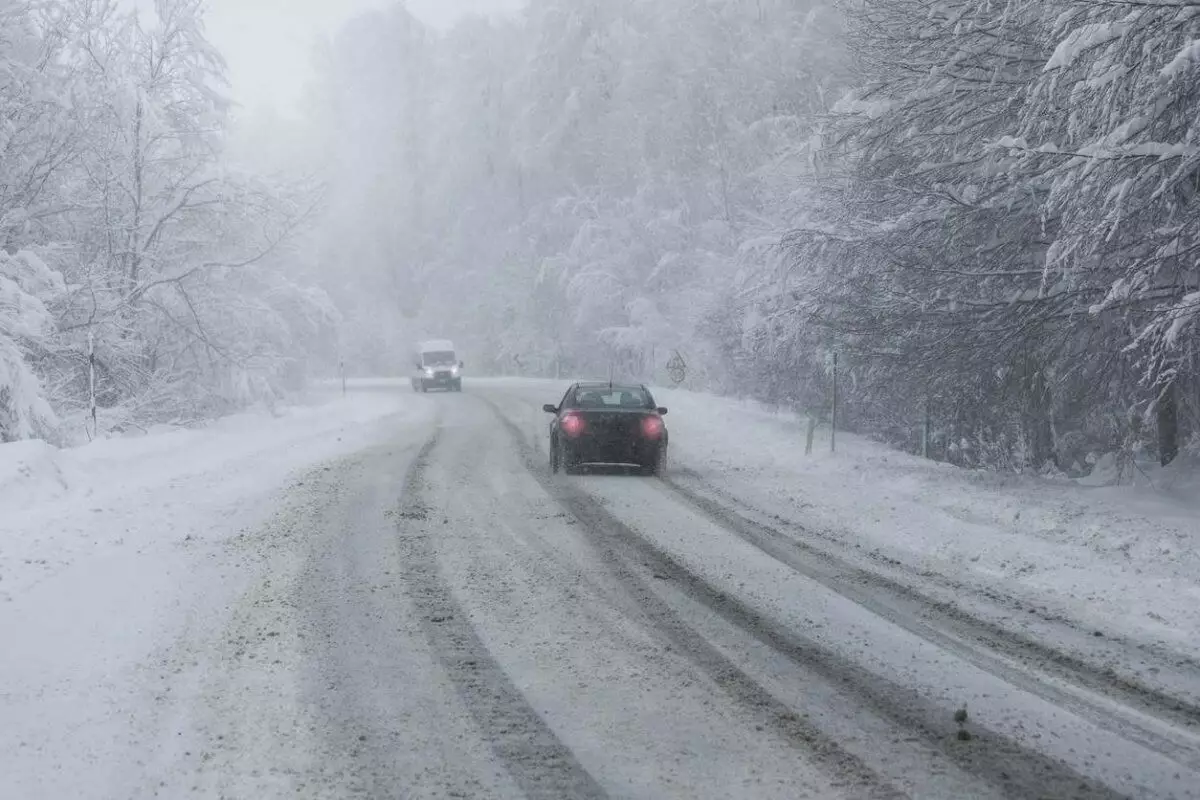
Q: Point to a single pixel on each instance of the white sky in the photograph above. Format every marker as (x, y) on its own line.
(268, 43)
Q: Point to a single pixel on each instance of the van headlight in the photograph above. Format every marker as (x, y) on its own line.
(429, 372)
(454, 370)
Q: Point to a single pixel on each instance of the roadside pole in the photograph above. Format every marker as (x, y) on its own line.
(925, 430)
(834, 421)
(342, 371)
(95, 432)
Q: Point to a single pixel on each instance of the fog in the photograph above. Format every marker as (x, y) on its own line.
(755, 190)
(269, 45)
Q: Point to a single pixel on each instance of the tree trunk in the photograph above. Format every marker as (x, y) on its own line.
(1168, 424)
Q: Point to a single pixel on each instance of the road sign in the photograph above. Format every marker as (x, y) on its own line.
(677, 368)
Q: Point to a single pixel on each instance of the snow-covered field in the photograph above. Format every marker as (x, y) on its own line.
(112, 553)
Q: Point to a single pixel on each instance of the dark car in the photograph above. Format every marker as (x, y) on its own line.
(607, 424)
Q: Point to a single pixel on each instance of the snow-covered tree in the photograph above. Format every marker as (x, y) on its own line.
(26, 285)
(1121, 171)
(992, 230)
(180, 294)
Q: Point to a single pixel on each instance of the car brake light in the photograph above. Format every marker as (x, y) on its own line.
(652, 427)
(572, 425)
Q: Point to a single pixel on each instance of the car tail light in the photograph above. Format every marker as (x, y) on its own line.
(572, 424)
(652, 427)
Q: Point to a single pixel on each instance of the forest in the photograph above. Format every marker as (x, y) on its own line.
(984, 212)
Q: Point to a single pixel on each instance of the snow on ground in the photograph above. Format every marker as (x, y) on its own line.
(1118, 558)
(1122, 559)
(110, 552)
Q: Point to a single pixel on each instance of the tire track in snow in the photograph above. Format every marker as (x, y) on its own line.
(1015, 770)
(541, 765)
(816, 539)
(894, 601)
(721, 670)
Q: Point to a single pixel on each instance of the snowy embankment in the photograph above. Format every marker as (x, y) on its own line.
(111, 551)
(1119, 559)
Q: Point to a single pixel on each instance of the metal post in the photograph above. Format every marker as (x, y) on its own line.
(834, 423)
(342, 370)
(925, 431)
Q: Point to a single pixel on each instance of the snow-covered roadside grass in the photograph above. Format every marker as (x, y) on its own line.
(111, 552)
(1120, 559)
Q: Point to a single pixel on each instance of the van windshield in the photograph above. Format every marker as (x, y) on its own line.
(435, 357)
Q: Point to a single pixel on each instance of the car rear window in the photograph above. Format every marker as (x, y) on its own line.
(616, 397)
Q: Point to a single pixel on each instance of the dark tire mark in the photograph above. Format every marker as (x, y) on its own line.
(541, 765)
(837, 542)
(907, 607)
(1015, 770)
(343, 632)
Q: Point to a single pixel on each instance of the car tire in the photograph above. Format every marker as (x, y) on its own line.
(569, 464)
(553, 457)
(654, 466)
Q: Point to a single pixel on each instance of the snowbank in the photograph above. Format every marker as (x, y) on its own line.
(30, 474)
(33, 473)
(49, 494)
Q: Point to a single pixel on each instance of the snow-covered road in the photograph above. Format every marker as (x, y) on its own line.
(435, 615)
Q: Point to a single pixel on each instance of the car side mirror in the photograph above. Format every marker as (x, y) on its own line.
(462, 365)
(550, 409)
(662, 411)
(419, 365)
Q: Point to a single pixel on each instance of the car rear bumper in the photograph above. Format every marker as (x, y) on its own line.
(591, 451)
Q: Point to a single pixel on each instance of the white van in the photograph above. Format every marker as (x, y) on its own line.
(437, 367)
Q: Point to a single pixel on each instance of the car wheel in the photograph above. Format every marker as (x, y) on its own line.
(568, 462)
(553, 457)
(655, 465)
